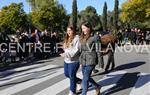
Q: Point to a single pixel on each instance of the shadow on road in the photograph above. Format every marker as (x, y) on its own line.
(126, 81)
(123, 67)
(32, 78)
(130, 65)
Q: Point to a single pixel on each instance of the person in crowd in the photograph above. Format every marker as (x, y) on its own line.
(46, 39)
(13, 51)
(126, 36)
(120, 36)
(138, 36)
(132, 37)
(4, 39)
(23, 40)
(37, 52)
(147, 37)
(53, 44)
(71, 58)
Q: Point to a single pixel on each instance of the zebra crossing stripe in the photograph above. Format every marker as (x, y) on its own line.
(57, 88)
(24, 74)
(109, 81)
(142, 86)
(22, 86)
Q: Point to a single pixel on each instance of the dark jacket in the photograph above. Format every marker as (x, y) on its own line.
(90, 54)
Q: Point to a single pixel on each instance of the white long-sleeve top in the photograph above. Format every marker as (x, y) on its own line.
(72, 53)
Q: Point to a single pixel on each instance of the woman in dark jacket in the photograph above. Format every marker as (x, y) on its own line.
(90, 56)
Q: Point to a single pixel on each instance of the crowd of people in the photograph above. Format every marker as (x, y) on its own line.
(133, 36)
(23, 39)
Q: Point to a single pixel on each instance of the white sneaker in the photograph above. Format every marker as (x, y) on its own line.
(79, 87)
(71, 93)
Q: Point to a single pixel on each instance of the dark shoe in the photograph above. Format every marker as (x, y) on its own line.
(102, 66)
(106, 71)
(113, 67)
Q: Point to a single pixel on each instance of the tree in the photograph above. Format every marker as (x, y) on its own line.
(13, 17)
(136, 13)
(104, 18)
(116, 14)
(110, 20)
(36, 4)
(74, 14)
(90, 14)
(90, 9)
(49, 16)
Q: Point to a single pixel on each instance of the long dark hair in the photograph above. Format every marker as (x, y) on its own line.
(83, 37)
(68, 39)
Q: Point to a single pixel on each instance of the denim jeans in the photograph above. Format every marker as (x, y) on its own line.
(70, 71)
(86, 71)
(125, 40)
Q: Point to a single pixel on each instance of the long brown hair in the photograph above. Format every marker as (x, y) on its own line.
(83, 37)
(68, 39)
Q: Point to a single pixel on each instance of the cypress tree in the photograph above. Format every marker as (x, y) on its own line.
(116, 14)
(104, 18)
(74, 14)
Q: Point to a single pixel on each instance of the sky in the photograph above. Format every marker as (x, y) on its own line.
(82, 4)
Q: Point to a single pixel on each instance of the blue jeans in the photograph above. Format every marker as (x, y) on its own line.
(70, 71)
(125, 40)
(86, 71)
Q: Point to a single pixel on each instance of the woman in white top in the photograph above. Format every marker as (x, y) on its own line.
(71, 58)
